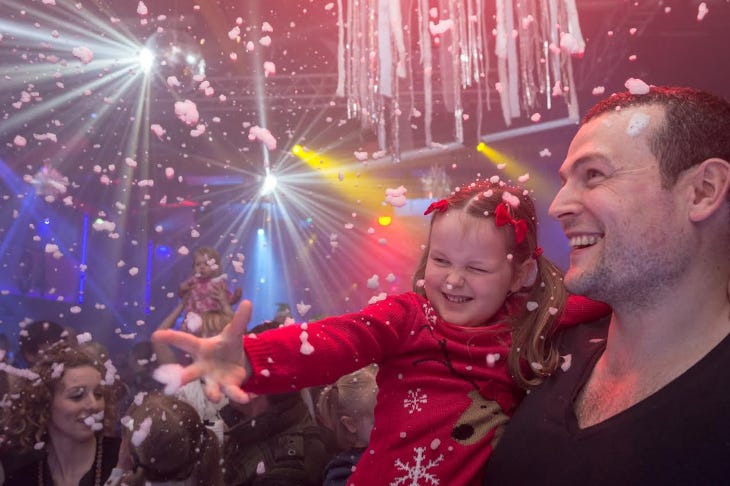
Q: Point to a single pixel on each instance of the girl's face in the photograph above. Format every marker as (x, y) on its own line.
(205, 265)
(77, 397)
(468, 274)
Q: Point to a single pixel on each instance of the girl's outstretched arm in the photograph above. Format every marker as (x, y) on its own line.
(219, 360)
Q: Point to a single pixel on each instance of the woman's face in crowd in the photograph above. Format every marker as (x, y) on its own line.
(78, 396)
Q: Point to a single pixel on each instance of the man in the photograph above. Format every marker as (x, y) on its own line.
(643, 396)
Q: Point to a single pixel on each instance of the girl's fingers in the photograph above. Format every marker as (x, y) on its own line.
(236, 394)
(213, 391)
(182, 340)
(240, 320)
(190, 373)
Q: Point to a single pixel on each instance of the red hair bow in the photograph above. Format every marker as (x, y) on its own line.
(439, 206)
(502, 217)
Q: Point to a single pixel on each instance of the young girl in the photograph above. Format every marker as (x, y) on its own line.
(347, 408)
(206, 295)
(454, 356)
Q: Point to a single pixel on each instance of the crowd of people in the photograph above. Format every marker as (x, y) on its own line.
(495, 369)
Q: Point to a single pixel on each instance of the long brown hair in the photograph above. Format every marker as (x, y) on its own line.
(532, 355)
(25, 420)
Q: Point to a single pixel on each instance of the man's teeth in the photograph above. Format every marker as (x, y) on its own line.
(456, 298)
(585, 240)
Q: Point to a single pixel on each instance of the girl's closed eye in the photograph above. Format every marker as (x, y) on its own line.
(440, 260)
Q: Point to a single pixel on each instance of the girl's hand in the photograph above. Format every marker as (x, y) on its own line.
(219, 360)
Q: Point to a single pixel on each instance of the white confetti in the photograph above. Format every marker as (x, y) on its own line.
(269, 68)
(56, 370)
(193, 322)
(139, 435)
(305, 348)
(187, 112)
(636, 86)
(169, 375)
(158, 130)
(441, 27)
(303, 308)
(262, 134)
(84, 337)
(234, 33)
(702, 10)
(567, 361)
(83, 53)
(396, 197)
(637, 123)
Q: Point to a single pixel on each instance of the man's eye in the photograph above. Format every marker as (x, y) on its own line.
(593, 173)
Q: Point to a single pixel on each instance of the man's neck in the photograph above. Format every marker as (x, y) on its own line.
(650, 346)
(686, 322)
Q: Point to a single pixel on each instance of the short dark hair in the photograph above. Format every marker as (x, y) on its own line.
(696, 126)
(38, 334)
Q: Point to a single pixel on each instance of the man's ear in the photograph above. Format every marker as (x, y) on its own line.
(349, 423)
(709, 183)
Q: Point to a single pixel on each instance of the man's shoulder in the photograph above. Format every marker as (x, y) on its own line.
(588, 332)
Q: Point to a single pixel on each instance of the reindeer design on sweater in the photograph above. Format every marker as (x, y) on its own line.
(481, 416)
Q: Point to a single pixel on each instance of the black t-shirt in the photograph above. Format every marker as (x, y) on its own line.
(678, 435)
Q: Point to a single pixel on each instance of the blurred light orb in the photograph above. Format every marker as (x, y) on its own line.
(178, 54)
(146, 59)
(269, 184)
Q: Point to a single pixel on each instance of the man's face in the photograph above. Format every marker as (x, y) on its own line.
(626, 232)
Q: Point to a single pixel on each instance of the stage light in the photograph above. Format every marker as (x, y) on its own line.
(260, 232)
(269, 184)
(385, 220)
(146, 59)
(481, 147)
(297, 149)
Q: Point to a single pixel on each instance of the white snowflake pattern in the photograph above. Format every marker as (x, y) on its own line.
(418, 471)
(414, 400)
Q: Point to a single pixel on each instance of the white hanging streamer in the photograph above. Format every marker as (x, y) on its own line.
(532, 68)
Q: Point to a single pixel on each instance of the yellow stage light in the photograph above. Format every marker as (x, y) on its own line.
(385, 220)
